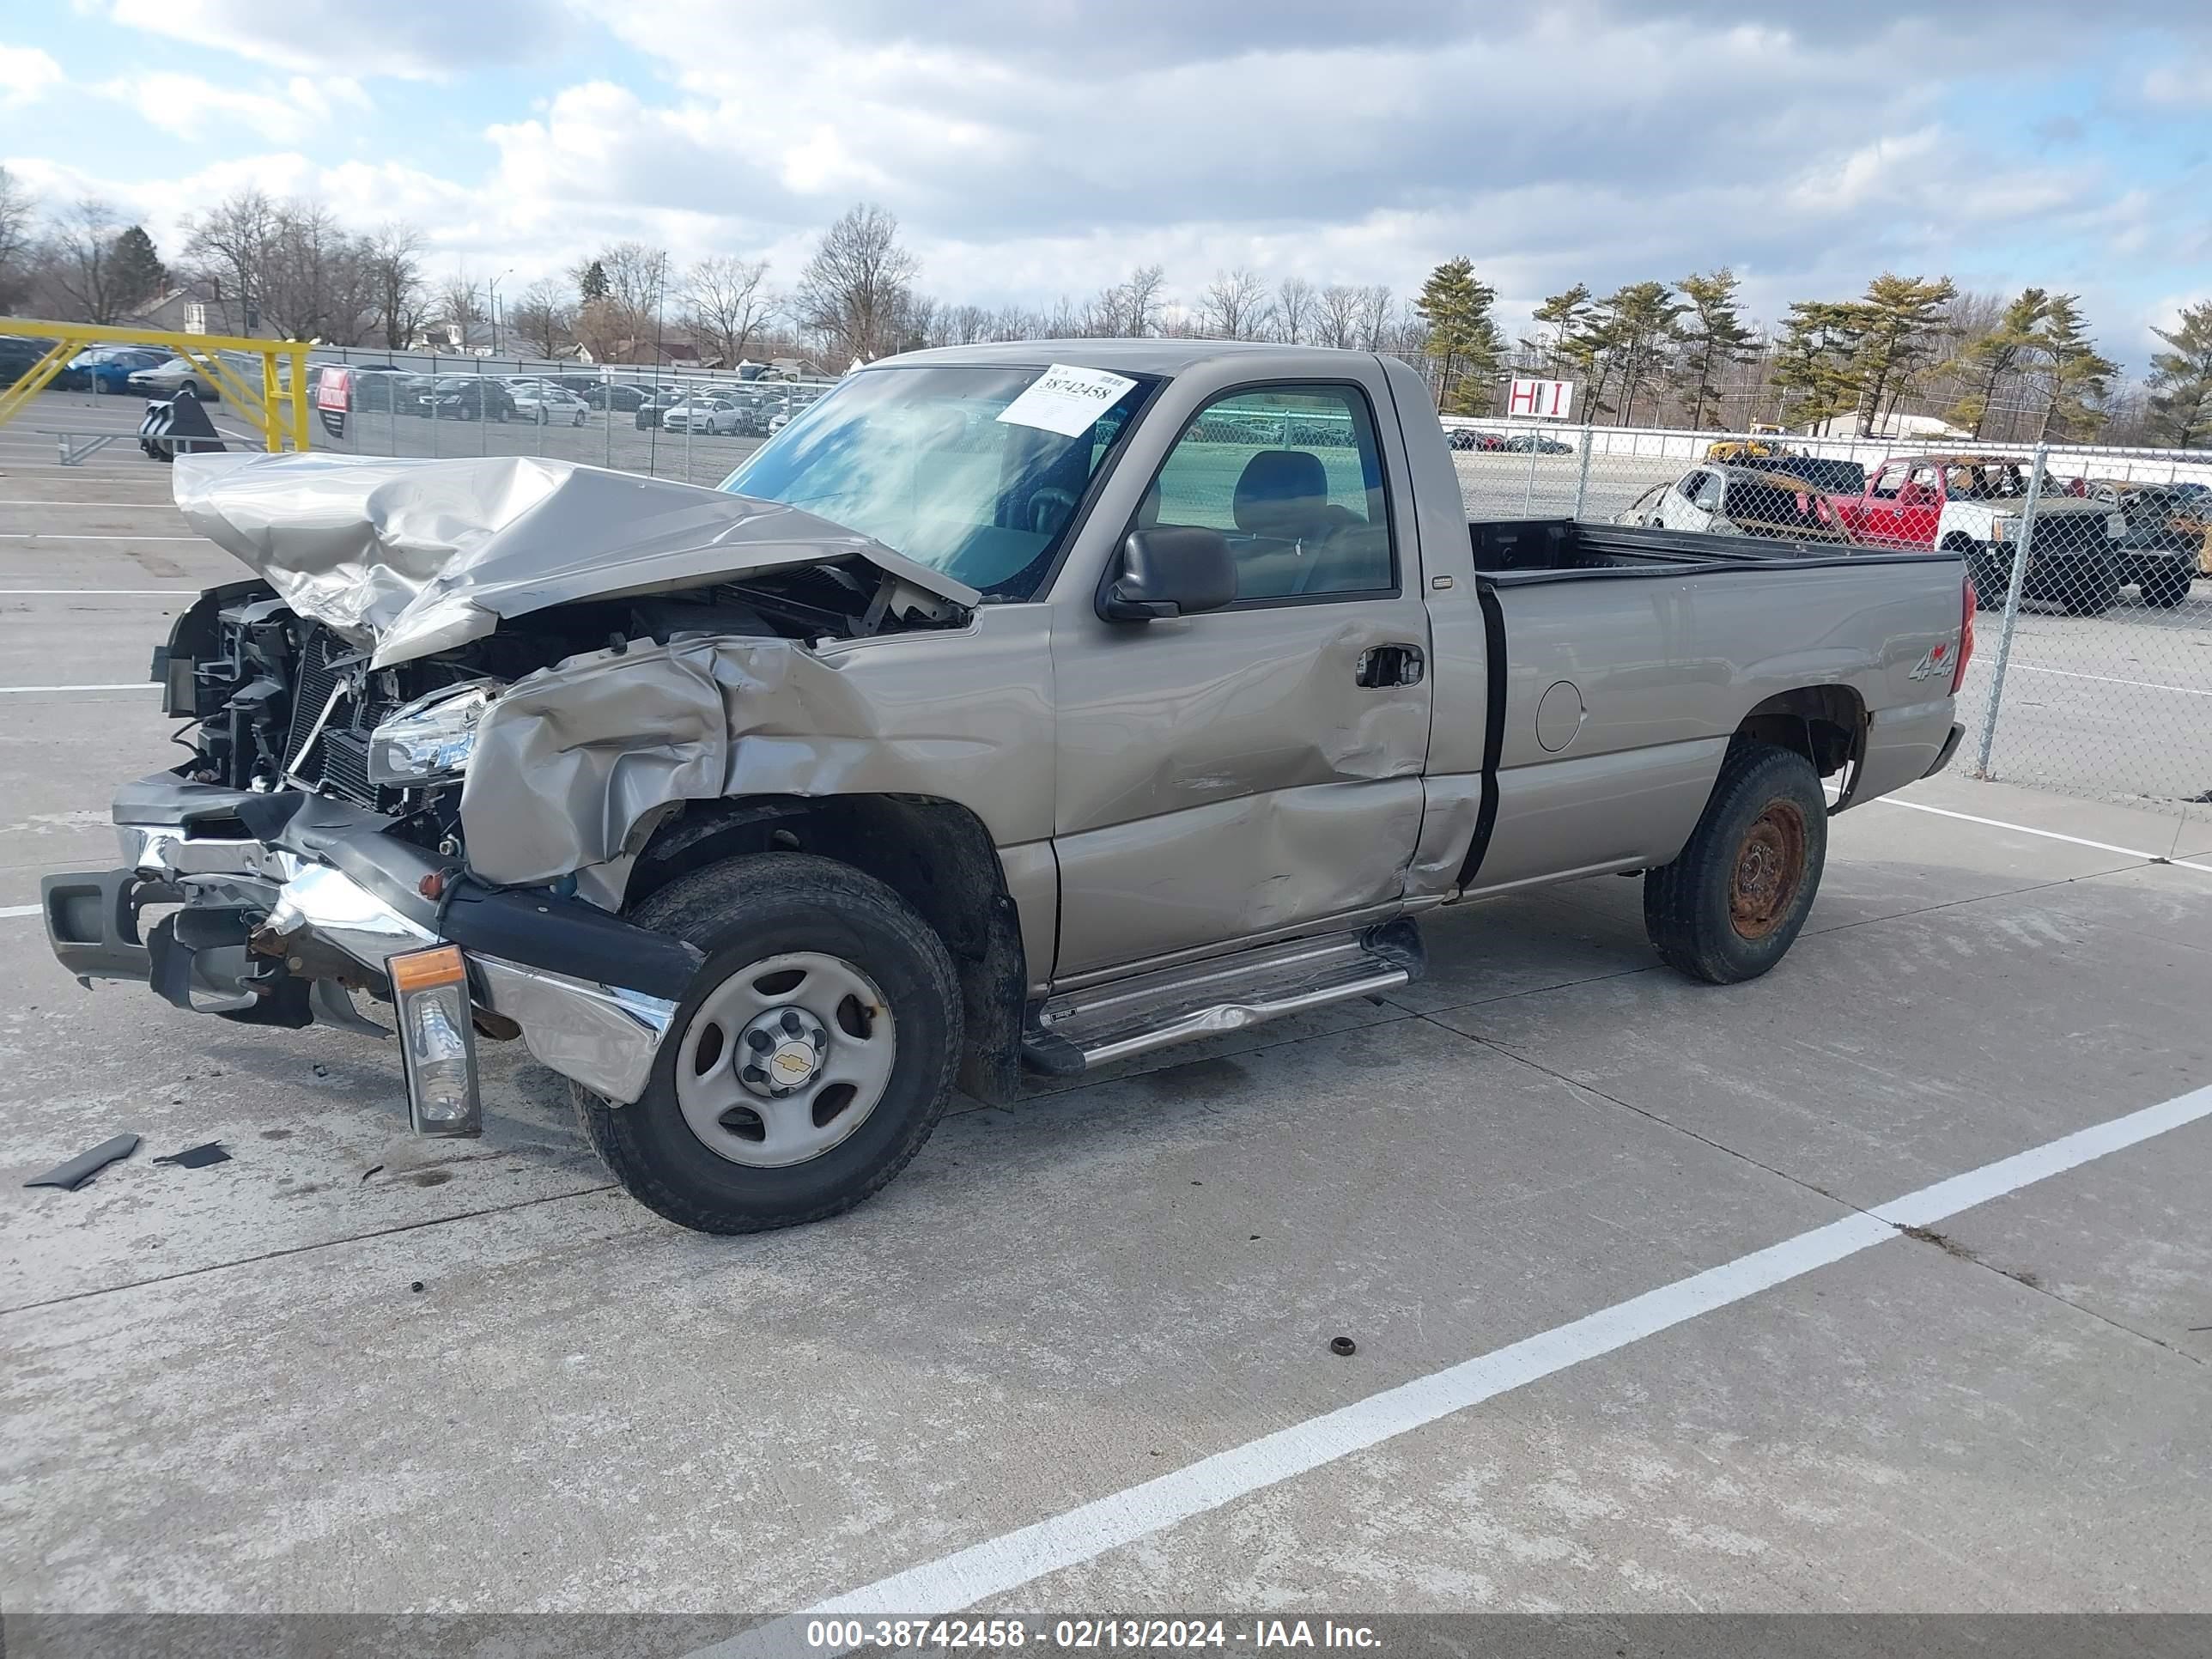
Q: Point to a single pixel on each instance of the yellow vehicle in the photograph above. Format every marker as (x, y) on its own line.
(1739, 450)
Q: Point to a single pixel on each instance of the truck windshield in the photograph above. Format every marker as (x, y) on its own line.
(920, 459)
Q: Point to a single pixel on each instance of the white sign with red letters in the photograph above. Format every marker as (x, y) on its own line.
(1548, 399)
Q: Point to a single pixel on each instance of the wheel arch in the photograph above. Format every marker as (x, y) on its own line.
(935, 853)
(1826, 723)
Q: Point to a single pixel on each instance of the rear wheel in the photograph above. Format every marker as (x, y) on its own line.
(2168, 588)
(811, 1061)
(1730, 906)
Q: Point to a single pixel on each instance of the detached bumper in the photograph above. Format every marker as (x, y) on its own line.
(285, 897)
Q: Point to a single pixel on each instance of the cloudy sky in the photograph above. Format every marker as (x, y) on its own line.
(1037, 147)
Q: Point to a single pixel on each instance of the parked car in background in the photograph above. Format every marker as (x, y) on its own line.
(664, 398)
(1467, 437)
(1828, 476)
(468, 398)
(1740, 501)
(107, 368)
(2169, 531)
(618, 395)
(718, 416)
(18, 352)
(549, 404)
(179, 374)
(1523, 443)
(381, 385)
(1972, 504)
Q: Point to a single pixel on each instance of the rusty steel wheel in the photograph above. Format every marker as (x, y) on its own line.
(1770, 868)
(1729, 905)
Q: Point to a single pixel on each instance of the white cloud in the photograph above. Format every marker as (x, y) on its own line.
(191, 107)
(2186, 82)
(408, 39)
(1031, 151)
(26, 73)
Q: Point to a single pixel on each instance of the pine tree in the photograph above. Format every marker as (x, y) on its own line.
(1462, 339)
(2180, 380)
(2001, 351)
(2075, 364)
(591, 282)
(1818, 358)
(1717, 336)
(136, 270)
(1565, 315)
(1903, 316)
(1642, 319)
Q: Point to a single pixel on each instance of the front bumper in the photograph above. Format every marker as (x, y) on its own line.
(283, 896)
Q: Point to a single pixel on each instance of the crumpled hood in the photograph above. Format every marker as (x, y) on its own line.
(410, 557)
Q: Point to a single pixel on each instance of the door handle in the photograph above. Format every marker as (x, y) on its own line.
(1389, 665)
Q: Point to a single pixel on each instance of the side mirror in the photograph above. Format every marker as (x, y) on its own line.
(1170, 570)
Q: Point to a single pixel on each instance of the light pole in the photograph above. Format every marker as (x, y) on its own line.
(494, 285)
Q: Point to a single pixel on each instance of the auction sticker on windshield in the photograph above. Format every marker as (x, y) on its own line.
(1066, 400)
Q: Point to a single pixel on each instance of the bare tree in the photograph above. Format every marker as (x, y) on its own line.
(18, 210)
(1337, 314)
(84, 270)
(622, 286)
(966, 324)
(316, 281)
(1137, 302)
(459, 305)
(851, 289)
(726, 304)
(1234, 305)
(543, 318)
(232, 246)
(395, 269)
(1374, 317)
(1297, 308)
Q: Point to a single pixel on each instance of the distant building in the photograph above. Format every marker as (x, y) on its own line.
(680, 352)
(199, 307)
(1890, 426)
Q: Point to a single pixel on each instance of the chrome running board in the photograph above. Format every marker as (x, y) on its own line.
(1082, 1030)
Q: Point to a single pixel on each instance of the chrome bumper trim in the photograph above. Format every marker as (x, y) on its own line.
(605, 1036)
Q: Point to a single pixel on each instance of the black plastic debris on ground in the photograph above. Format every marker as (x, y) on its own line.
(197, 1157)
(80, 1168)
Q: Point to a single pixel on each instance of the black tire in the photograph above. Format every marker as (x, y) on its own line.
(2168, 588)
(1730, 906)
(743, 911)
(2087, 592)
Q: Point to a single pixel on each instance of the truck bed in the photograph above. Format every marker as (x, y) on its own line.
(1518, 552)
(1622, 658)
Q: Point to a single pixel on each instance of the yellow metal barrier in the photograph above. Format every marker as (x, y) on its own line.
(278, 406)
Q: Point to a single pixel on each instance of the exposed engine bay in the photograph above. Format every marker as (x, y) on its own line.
(278, 700)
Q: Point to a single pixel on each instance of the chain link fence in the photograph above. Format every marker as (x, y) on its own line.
(659, 421)
(2092, 568)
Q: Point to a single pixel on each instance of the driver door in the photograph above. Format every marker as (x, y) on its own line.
(1255, 770)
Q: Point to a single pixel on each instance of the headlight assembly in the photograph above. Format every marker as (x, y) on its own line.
(431, 739)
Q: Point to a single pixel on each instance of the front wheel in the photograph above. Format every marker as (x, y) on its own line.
(2088, 592)
(1731, 904)
(812, 1058)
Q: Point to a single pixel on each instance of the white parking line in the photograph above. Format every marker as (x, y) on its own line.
(10, 912)
(99, 592)
(154, 502)
(2049, 834)
(134, 685)
(1006, 1563)
(2146, 685)
(40, 536)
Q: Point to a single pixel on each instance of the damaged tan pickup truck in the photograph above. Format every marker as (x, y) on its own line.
(1017, 708)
